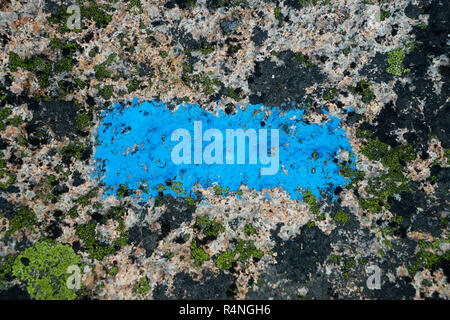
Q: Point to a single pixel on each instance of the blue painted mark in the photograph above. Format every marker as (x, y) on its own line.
(134, 149)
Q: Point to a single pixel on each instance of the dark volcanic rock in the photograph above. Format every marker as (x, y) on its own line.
(278, 86)
(301, 256)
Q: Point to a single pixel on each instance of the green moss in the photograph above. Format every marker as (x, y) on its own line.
(116, 212)
(303, 59)
(422, 25)
(395, 61)
(206, 48)
(84, 200)
(391, 181)
(277, 12)
(64, 65)
(198, 254)
(113, 271)
(96, 13)
(247, 250)
(133, 85)
(243, 252)
(73, 212)
(43, 268)
(123, 191)
(83, 121)
(209, 227)
(334, 258)
(225, 260)
(341, 216)
(24, 218)
(143, 286)
(60, 16)
(219, 191)
(122, 240)
(350, 264)
(428, 256)
(6, 266)
(447, 155)
(249, 229)
(306, 3)
(73, 150)
(329, 94)
(96, 250)
(363, 89)
(169, 255)
(106, 92)
(374, 149)
(39, 65)
(101, 73)
(16, 62)
(310, 199)
(10, 179)
(93, 52)
(384, 15)
(135, 4)
(233, 95)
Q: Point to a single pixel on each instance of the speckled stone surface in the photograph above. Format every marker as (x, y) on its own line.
(381, 67)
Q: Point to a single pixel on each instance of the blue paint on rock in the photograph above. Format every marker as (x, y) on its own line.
(134, 149)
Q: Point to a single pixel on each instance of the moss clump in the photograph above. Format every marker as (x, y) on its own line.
(96, 13)
(83, 121)
(247, 250)
(101, 73)
(73, 150)
(363, 89)
(96, 250)
(341, 216)
(243, 252)
(390, 182)
(209, 227)
(7, 179)
(233, 94)
(133, 85)
(142, 286)
(73, 212)
(219, 191)
(249, 229)
(329, 94)
(303, 59)
(206, 48)
(6, 265)
(395, 61)
(24, 218)
(43, 268)
(384, 15)
(306, 3)
(374, 149)
(106, 92)
(84, 200)
(113, 271)
(39, 65)
(116, 212)
(348, 172)
(198, 254)
(429, 255)
(310, 199)
(225, 260)
(203, 80)
(42, 67)
(123, 191)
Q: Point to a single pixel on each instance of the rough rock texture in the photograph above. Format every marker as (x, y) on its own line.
(380, 66)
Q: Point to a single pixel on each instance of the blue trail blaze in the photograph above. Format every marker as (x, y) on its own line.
(134, 149)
